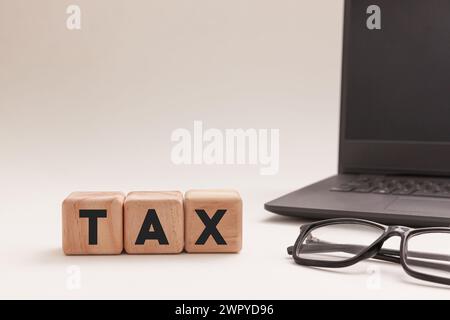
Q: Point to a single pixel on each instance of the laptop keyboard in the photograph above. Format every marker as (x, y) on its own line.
(404, 186)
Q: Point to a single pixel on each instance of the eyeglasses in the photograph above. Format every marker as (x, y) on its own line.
(424, 253)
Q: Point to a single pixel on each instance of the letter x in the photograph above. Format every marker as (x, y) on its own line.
(210, 227)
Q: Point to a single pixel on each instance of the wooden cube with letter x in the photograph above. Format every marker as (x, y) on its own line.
(154, 222)
(213, 221)
(93, 223)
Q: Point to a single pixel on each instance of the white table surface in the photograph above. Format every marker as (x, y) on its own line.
(33, 266)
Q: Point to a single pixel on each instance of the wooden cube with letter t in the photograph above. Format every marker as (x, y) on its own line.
(93, 223)
(154, 222)
(213, 221)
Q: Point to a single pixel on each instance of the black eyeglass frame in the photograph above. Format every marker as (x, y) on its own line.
(374, 250)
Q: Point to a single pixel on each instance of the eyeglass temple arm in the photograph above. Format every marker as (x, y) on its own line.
(389, 255)
(383, 254)
(386, 252)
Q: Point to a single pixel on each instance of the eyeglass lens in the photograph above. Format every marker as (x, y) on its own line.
(429, 253)
(338, 242)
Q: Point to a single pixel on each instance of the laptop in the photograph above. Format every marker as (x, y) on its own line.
(394, 146)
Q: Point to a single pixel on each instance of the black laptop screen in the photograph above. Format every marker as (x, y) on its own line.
(398, 71)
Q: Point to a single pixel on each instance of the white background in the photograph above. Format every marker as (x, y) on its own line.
(94, 110)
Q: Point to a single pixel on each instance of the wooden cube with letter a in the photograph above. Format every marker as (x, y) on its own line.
(213, 221)
(154, 222)
(93, 223)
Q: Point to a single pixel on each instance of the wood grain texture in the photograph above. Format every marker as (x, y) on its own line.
(169, 209)
(230, 226)
(76, 229)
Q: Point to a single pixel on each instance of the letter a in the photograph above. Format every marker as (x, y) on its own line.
(73, 22)
(374, 20)
(151, 220)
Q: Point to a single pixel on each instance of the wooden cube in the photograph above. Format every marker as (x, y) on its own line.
(213, 221)
(154, 222)
(93, 223)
